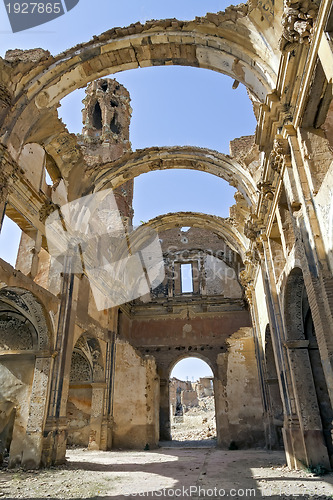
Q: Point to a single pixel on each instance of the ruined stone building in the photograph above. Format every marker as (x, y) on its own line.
(184, 395)
(260, 311)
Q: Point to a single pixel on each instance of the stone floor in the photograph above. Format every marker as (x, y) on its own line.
(169, 472)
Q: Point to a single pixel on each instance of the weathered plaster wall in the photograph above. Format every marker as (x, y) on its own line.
(324, 201)
(136, 399)
(32, 161)
(15, 393)
(194, 330)
(78, 415)
(221, 279)
(239, 414)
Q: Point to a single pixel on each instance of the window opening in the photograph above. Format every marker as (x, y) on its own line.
(10, 239)
(186, 278)
(97, 117)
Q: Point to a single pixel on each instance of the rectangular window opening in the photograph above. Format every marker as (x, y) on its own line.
(186, 278)
(10, 238)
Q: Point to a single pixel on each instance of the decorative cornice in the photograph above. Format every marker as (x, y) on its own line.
(252, 228)
(47, 209)
(267, 189)
(297, 21)
(280, 151)
(8, 167)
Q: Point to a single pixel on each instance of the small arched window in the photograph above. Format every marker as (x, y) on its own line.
(97, 117)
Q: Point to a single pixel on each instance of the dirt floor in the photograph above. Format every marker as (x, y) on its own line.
(196, 473)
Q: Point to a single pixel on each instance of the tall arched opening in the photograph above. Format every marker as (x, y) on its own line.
(192, 402)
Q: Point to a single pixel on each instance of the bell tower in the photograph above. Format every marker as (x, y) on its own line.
(106, 119)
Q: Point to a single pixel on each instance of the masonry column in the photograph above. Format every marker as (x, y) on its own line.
(220, 397)
(165, 431)
(110, 364)
(268, 417)
(292, 434)
(55, 433)
(318, 278)
(96, 418)
(306, 402)
(32, 452)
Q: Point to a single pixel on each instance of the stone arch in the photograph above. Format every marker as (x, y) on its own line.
(186, 355)
(142, 161)
(222, 227)
(25, 367)
(25, 304)
(293, 294)
(229, 43)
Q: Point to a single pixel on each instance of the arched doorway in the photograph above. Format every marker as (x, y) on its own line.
(192, 401)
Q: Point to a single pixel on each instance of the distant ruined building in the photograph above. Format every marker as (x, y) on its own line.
(260, 312)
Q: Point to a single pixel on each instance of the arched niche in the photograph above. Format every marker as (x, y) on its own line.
(87, 378)
(25, 303)
(25, 363)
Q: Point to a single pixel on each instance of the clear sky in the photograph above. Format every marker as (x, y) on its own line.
(91, 18)
(178, 106)
(171, 106)
(191, 369)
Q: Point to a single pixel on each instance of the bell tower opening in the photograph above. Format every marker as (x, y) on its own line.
(97, 117)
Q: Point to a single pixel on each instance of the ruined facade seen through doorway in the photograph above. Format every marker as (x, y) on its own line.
(192, 404)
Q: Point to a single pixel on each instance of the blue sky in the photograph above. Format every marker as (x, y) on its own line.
(191, 369)
(171, 106)
(91, 18)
